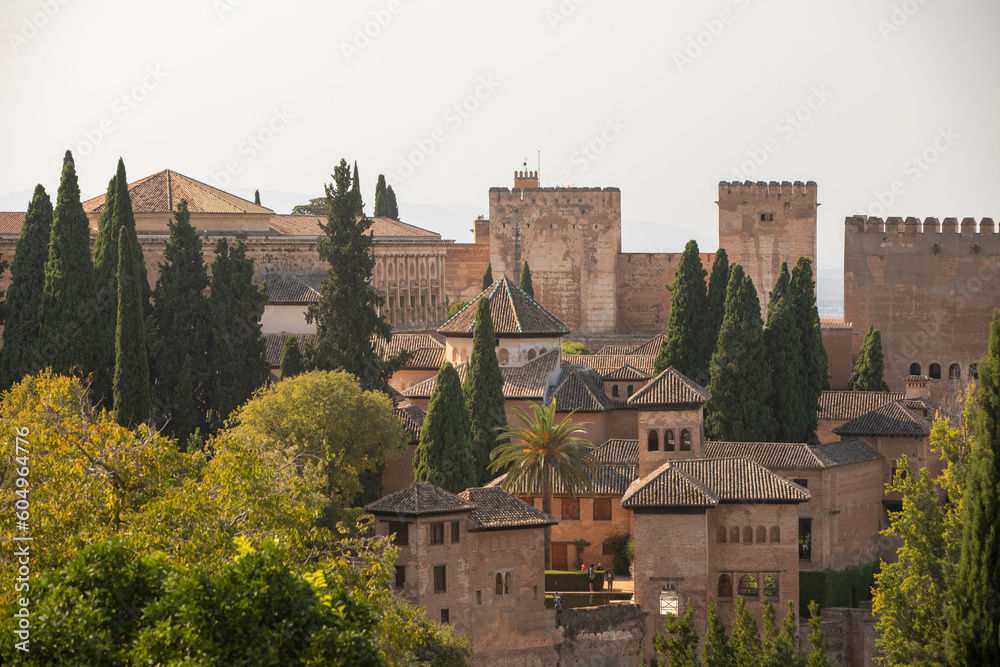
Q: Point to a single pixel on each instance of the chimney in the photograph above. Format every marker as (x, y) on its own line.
(525, 179)
(917, 386)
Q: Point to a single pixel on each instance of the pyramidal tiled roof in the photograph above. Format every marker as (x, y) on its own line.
(650, 348)
(626, 372)
(412, 418)
(418, 499)
(847, 405)
(845, 452)
(888, 420)
(669, 486)
(781, 455)
(294, 289)
(527, 382)
(161, 192)
(496, 510)
(671, 387)
(514, 313)
(580, 389)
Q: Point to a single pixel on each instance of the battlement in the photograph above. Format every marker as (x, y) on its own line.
(915, 227)
(555, 196)
(767, 189)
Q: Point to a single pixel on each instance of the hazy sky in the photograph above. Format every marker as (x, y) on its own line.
(660, 99)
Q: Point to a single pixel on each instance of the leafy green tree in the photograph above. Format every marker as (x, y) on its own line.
(526, 285)
(679, 647)
(391, 207)
(359, 202)
(972, 636)
(717, 284)
(291, 359)
(483, 391)
(869, 369)
(747, 646)
(256, 197)
(814, 359)
(320, 206)
(718, 650)
(740, 378)
(575, 347)
(783, 349)
(488, 276)
(346, 315)
(817, 645)
(444, 453)
(69, 303)
(542, 453)
(238, 353)
(131, 389)
(779, 642)
(180, 330)
(19, 355)
(381, 203)
(685, 346)
(454, 308)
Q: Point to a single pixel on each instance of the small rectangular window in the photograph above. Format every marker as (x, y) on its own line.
(570, 508)
(602, 509)
(444, 616)
(804, 483)
(400, 576)
(400, 531)
(437, 533)
(440, 579)
(455, 532)
(479, 598)
(606, 549)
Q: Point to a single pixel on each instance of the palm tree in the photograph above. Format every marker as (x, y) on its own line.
(542, 453)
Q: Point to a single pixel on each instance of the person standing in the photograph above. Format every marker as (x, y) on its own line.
(609, 576)
(590, 576)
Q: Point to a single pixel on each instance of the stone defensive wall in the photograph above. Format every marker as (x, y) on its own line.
(643, 299)
(765, 188)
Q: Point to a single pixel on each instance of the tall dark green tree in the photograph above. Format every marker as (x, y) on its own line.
(346, 315)
(133, 402)
(488, 276)
(814, 360)
(444, 453)
(256, 197)
(526, 285)
(740, 378)
(238, 353)
(783, 347)
(67, 318)
(391, 207)
(291, 359)
(483, 391)
(358, 200)
(972, 636)
(180, 330)
(717, 651)
(717, 284)
(20, 355)
(686, 345)
(381, 203)
(746, 637)
(869, 369)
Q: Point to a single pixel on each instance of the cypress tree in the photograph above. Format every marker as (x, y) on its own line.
(783, 347)
(525, 285)
(746, 637)
(717, 651)
(381, 203)
(488, 276)
(814, 360)
(291, 359)
(346, 318)
(69, 308)
(358, 201)
(180, 330)
(483, 391)
(869, 369)
(132, 399)
(716, 310)
(780, 289)
(817, 644)
(19, 355)
(444, 453)
(972, 635)
(238, 353)
(685, 346)
(391, 208)
(740, 379)
(256, 197)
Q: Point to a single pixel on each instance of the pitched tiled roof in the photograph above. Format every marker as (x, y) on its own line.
(888, 420)
(619, 451)
(650, 348)
(779, 455)
(11, 221)
(426, 358)
(846, 405)
(293, 289)
(418, 499)
(603, 363)
(626, 372)
(161, 192)
(496, 509)
(671, 387)
(527, 382)
(908, 378)
(668, 486)
(404, 341)
(514, 313)
(845, 452)
(580, 389)
(412, 418)
(609, 480)
(275, 343)
(308, 225)
(615, 350)
(834, 324)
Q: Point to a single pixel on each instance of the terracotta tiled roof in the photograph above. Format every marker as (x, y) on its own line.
(496, 509)
(412, 418)
(408, 342)
(603, 363)
(617, 350)
(908, 378)
(11, 221)
(668, 486)
(609, 480)
(293, 289)
(772, 455)
(888, 420)
(671, 387)
(418, 499)
(580, 389)
(651, 347)
(834, 324)
(526, 382)
(308, 225)
(426, 358)
(514, 313)
(275, 343)
(626, 372)
(845, 452)
(161, 192)
(847, 405)
(619, 451)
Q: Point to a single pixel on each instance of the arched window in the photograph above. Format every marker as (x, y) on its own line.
(747, 535)
(974, 371)
(734, 535)
(542, 351)
(725, 586)
(720, 535)
(499, 587)
(761, 535)
(614, 391)
(954, 372)
(653, 441)
(454, 354)
(775, 535)
(668, 440)
(465, 355)
(507, 578)
(914, 368)
(771, 585)
(935, 371)
(685, 440)
(748, 586)
(503, 356)
(531, 354)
